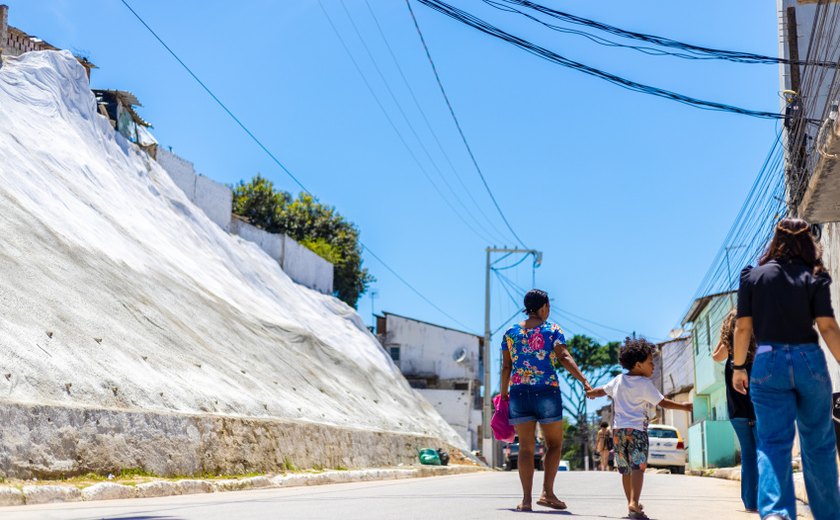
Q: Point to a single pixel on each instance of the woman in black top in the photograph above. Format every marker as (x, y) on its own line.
(779, 301)
(741, 413)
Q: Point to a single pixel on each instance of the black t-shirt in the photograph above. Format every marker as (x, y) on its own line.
(783, 297)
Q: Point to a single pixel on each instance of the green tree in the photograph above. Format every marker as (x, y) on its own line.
(598, 363)
(317, 226)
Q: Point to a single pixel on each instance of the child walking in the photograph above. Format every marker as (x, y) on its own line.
(632, 393)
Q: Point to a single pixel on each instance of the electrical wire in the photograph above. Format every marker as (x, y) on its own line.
(440, 146)
(458, 126)
(546, 54)
(395, 128)
(280, 164)
(478, 222)
(692, 52)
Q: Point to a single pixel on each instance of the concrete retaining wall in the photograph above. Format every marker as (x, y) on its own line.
(54, 441)
(271, 243)
(307, 268)
(215, 199)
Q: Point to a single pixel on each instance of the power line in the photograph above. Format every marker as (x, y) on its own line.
(692, 52)
(479, 223)
(458, 126)
(407, 83)
(394, 126)
(277, 161)
(548, 55)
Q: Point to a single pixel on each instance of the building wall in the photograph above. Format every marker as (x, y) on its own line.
(677, 365)
(708, 374)
(831, 255)
(454, 407)
(427, 349)
(677, 418)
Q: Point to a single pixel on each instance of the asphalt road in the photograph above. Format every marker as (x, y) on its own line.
(459, 497)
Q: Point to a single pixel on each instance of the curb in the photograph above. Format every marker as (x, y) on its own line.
(735, 474)
(45, 494)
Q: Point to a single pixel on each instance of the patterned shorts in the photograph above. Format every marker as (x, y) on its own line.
(631, 449)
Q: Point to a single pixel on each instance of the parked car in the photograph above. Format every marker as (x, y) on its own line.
(667, 449)
(564, 465)
(511, 455)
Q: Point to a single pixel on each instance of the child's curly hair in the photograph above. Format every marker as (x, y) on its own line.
(635, 350)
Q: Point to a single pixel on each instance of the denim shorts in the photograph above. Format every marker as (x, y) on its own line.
(535, 403)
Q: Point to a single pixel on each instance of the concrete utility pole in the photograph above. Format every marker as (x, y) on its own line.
(487, 444)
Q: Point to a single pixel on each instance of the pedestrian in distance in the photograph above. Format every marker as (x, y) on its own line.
(741, 413)
(603, 445)
(779, 302)
(632, 394)
(531, 350)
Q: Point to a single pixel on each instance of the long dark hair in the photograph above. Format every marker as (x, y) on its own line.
(793, 240)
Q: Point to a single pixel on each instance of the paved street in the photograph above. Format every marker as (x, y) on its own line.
(479, 496)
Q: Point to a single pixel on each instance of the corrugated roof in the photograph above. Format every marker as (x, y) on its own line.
(129, 101)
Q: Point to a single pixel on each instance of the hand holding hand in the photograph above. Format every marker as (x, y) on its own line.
(505, 396)
(688, 407)
(586, 386)
(591, 393)
(740, 381)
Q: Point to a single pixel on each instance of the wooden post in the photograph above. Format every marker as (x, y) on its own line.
(793, 49)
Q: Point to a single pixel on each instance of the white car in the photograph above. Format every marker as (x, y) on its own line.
(667, 449)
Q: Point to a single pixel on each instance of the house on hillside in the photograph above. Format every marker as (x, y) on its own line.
(118, 107)
(677, 380)
(14, 42)
(444, 365)
(711, 438)
(812, 168)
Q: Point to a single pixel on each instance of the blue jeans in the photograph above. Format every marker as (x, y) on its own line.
(747, 437)
(790, 383)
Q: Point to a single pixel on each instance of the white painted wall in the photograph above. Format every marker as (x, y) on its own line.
(269, 242)
(454, 407)
(678, 367)
(429, 349)
(306, 267)
(215, 199)
(180, 170)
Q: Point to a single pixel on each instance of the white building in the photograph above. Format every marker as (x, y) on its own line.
(442, 364)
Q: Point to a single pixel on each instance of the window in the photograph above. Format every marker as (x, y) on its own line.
(395, 354)
(708, 333)
(662, 433)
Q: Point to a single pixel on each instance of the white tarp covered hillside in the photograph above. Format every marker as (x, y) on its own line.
(116, 292)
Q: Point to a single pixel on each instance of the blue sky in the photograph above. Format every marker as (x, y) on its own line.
(628, 196)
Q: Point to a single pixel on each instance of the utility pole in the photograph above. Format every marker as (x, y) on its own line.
(487, 444)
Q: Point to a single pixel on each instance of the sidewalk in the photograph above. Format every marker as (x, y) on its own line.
(43, 492)
(735, 474)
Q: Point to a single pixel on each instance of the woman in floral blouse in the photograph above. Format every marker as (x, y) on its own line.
(530, 352)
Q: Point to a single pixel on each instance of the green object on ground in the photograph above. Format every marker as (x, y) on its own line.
(429, 457)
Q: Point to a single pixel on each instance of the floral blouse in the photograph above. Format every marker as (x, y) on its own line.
(532, 353)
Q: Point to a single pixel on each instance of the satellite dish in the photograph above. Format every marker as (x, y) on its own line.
(675, 333)
(460, 355)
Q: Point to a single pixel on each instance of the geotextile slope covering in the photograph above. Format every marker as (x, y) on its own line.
(117, 292)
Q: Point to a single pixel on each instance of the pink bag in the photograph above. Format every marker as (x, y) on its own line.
(502, 429)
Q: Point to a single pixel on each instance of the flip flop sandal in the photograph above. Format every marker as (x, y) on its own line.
(553, 504)
(637, 515)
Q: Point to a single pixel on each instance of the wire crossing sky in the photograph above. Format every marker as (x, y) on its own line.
(477, 23)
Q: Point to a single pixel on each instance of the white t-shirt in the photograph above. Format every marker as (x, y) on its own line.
(632, 396)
